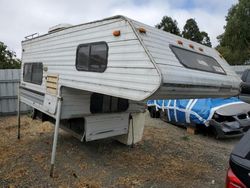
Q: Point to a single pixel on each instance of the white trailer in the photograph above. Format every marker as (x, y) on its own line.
(94, 78)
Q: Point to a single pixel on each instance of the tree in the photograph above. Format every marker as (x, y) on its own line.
(192, 32)
(234, 43)
(205, 39)
(169, 25)
(8, 58)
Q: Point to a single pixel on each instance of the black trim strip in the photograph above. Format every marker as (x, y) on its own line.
(33, 91)
(197, 86)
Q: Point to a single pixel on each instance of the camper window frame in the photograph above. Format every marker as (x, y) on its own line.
(79, 68)
(184, 64)
(31, 76)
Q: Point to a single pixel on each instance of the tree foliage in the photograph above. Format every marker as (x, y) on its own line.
(192, 32)
(8, 58)
(205, 39)
(169, 25)
(235, 41)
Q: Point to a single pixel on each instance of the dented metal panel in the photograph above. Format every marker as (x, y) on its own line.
(106, 125)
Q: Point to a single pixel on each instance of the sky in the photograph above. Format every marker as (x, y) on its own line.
(21, 18)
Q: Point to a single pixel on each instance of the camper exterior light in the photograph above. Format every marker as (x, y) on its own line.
(141, 30)
(191, 46)
(117, 33)
(179, 42)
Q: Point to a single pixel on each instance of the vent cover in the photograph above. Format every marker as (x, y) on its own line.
(59, 27)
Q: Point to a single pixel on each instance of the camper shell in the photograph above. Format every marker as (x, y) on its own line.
(94, 78)
(141, 63)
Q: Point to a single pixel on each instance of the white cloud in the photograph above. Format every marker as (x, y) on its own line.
(21, 18)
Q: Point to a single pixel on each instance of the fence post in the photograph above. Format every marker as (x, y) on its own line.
(18, 113)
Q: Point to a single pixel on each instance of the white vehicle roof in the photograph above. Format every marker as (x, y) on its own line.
(143, 62)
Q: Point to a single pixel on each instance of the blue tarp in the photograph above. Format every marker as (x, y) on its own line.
(194, 111)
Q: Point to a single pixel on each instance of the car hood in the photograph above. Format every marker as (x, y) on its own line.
(234, 109)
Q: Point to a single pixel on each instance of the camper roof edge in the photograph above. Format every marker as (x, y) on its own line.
(99, 20)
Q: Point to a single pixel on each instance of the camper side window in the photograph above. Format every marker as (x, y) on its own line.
(100, 103)
(92, 57)
(33, 73)
(197, 61)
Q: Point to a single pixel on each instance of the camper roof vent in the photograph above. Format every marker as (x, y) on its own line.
(59, 27)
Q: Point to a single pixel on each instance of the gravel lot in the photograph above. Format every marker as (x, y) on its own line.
(167, 157)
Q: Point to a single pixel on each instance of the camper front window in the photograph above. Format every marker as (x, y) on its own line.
(92, 57)
(194, 60)
(33, 73)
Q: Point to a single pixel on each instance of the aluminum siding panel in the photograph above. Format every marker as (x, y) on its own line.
(129, 74)
(158, 41)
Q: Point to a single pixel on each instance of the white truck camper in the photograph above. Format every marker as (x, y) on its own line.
(93, 79)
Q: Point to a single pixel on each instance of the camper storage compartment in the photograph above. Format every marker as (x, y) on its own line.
(98, 126)
(106, 125)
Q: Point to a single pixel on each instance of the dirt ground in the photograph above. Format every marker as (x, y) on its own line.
(167, 157)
